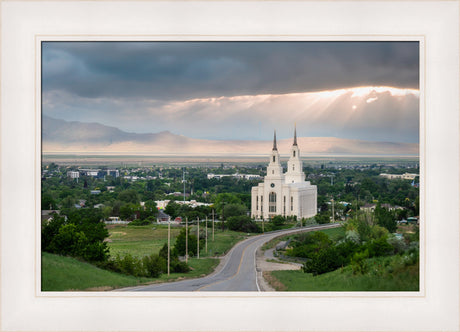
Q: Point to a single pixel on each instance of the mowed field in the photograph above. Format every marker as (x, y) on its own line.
(140, 241)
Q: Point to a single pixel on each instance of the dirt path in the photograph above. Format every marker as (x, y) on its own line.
(266, 262)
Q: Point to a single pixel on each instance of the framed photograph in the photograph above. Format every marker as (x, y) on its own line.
(248, 121)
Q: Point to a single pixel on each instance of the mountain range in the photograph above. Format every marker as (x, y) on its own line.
(64, 137)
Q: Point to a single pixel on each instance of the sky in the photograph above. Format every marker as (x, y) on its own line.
(237, 90)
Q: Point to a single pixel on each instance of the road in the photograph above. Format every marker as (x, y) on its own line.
(237, 272)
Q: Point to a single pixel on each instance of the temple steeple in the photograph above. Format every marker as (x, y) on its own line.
(295, 135)
(274, 169)
(294, 172)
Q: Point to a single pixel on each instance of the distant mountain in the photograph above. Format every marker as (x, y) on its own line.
(59, 136)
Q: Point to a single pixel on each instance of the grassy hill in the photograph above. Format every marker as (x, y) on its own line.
(384, 274)
(68, 274)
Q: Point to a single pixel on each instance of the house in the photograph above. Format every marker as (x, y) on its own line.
(163, 218)
(47, 216)
(368, 207)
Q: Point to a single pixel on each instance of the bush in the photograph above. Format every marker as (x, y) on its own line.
(359, 263)
(379, 247)
(323, 261)
(323, 218)
(242, 224)
(307, 244)
(139, 222)
(179, 267)
(154, 265)
(130, 265)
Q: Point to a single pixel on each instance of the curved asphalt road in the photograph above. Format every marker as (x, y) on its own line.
(238, 271)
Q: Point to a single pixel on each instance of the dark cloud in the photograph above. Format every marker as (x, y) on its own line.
(183, 70)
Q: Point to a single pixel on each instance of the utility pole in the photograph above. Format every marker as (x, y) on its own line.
(206, 236)
(213, 225)
(198, 238)
(169, 246)
(186, 239)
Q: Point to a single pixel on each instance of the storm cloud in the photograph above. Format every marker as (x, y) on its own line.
(184, 70)
(206, 89)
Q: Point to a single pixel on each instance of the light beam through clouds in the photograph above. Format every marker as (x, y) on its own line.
(237, 90)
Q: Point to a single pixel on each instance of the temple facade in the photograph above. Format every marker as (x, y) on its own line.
(285, 194)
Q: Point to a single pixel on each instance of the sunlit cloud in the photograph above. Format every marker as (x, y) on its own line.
(372, 113)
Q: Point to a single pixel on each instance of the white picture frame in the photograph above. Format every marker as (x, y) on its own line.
(25, 24)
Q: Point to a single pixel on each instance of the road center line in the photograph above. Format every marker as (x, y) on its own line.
(229, 278)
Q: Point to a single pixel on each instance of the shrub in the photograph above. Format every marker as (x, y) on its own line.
(130, 265)
(399, 245)
(359, 263)
(242, 224)
(139, 222)
(154, 265)
(379, 247)
(323, 261)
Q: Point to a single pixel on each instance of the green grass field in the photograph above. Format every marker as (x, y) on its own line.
(401, 278)
(68, 274)
(140, 241)
(65, 274)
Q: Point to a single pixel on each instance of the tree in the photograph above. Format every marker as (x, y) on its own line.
(242, 224)
(172, 209)
(222, 200)
(385, 218)
(179, 246)
(81, 235)
(127, 211)
(48, 202)
(234, 209)
(128, 196)
(278, 222)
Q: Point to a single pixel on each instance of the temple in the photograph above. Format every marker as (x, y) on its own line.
(285, 194)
